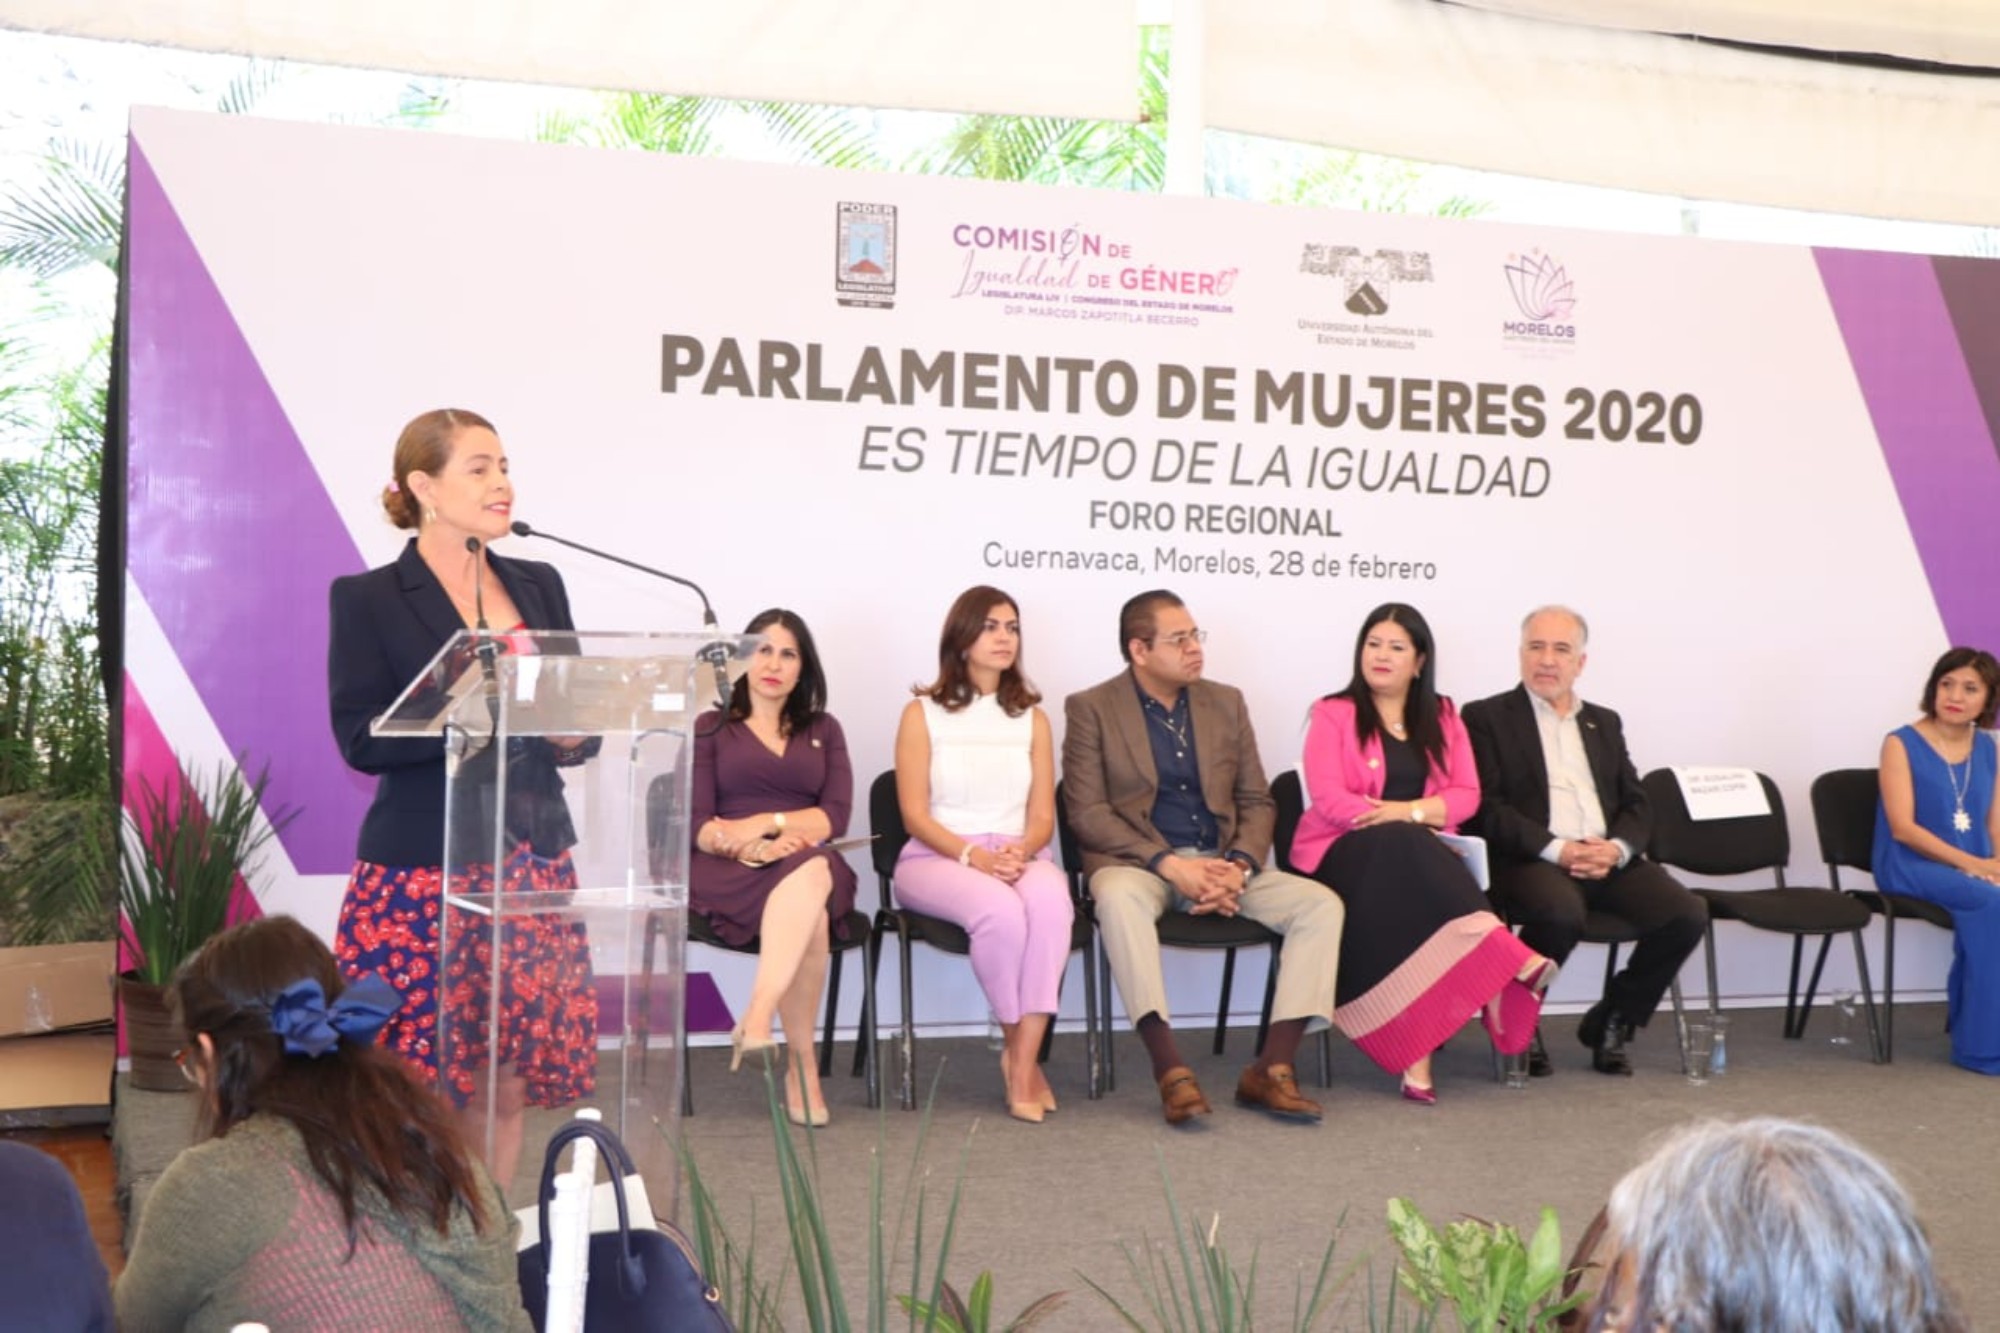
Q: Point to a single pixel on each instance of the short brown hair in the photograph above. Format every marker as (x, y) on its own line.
(424, 446)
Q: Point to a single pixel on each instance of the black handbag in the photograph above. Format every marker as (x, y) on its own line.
(642, 1280)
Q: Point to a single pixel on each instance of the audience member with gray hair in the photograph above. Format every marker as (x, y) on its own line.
(1766, 1226)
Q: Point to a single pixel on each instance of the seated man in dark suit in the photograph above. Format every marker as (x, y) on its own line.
(1566, 824)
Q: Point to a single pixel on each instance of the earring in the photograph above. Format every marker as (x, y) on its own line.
(430, 514)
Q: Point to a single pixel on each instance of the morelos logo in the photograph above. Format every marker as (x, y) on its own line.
(1543, 292)
(864, 254)
(1367, 278)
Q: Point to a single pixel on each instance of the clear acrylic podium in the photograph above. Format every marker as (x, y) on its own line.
(563, 923)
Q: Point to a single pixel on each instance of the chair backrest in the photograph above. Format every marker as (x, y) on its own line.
(1072, 859)
(1844, 803)
(662, 805)
(885, 821)
(1290, 794)
(1716, 846)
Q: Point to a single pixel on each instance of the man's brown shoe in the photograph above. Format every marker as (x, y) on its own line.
(1275, 1088)
(1180, 1096)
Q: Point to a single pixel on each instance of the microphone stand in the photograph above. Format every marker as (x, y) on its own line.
(715, 654)
(484, 646)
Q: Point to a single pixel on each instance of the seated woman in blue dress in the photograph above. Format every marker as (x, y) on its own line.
(1935, 836)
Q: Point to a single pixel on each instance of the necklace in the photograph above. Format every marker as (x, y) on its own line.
(1959, 819)
(1396, 729)
(1176, 726)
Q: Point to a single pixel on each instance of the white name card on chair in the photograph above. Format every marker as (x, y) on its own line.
(1722, 793)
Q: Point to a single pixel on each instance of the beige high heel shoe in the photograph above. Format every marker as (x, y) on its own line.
(740, 1046)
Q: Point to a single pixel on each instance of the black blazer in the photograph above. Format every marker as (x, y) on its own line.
(387, 624)
(1514, 777)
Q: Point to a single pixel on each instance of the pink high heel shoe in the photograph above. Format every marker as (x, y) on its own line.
(1512, 1015)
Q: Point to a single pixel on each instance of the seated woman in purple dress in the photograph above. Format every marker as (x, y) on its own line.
(1936, 832)
(976, 783)
(1387, 767)
(772, 785)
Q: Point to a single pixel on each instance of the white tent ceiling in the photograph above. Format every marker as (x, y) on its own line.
(1663, 95)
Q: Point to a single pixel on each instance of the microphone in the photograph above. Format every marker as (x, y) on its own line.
(484, 646)
(715, 654)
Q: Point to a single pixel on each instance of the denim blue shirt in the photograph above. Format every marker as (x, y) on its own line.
(1180, 815)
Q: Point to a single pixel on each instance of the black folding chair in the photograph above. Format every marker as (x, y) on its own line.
(1759, 845)
(1844, 805)
(1178, 930)
(885, 820)
(660, 798)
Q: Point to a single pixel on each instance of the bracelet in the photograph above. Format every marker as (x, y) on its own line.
(779, 820)
(965, 855)
(1417, 811)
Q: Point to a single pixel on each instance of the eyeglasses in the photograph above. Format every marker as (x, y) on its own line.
(1179, 642)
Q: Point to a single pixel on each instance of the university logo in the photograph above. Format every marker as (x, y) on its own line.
(1544, 295)
(864, 254)
(1367, 278)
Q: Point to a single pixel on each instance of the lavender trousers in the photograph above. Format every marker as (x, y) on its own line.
(1020, 931)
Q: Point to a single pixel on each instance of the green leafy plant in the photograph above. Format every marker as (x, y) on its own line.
(183, 848)
(757, 1304)
(1196, 1286)
(55, 881)
(1482, 1271)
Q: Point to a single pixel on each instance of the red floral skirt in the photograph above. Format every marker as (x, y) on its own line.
(547, 1012)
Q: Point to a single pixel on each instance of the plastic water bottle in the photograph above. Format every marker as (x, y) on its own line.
(1843, 1019)
(41, 1015)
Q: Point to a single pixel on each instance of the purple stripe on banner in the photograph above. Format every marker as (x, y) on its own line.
(1928, 420)
(706, 1010)
(232, 538)
(1971, 290)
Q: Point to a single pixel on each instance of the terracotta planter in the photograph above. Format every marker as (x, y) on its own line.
(151, 1036)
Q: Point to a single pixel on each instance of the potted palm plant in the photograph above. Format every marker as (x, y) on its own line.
(185, 845)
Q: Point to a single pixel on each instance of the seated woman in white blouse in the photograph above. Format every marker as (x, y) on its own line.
(975, 777)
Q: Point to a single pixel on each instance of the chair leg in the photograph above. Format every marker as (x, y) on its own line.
(1610, 967)
(1104, 1019)
(1326, 1057)
(1792, 988)
(1093, 1051)
(872, 1054)
(1888, 984)
(1222, 1004)
(1868, 1001)
(1680, 1024)
(1270, 999)
(687, 1083)
(832, 1012)
(1812, 986)
(906, 1063)
(1714, 987)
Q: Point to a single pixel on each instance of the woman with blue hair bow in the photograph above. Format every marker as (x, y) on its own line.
(327, 1188)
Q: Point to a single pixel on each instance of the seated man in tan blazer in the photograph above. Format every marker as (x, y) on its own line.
(1167, 799)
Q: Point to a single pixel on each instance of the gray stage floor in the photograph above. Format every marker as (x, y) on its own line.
(1045, 1204)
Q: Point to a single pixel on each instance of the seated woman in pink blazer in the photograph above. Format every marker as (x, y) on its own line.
(1387, 767)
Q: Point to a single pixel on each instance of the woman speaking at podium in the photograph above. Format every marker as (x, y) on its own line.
(450, 486)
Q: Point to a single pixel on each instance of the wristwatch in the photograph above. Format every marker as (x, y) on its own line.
(1417, 811)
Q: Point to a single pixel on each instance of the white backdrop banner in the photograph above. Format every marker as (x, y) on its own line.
(1752, 468)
